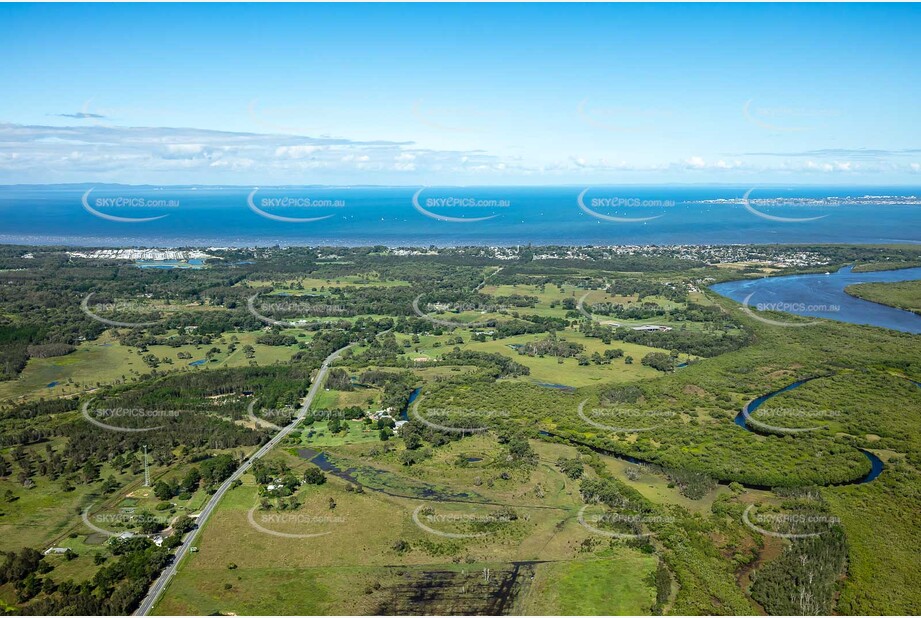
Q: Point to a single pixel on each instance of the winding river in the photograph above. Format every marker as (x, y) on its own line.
(823, 296)
(876, 464)
(742, 418)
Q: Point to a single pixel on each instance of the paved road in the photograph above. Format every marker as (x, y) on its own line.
(160, 585)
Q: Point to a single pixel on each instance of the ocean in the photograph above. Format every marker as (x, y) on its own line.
(121, 216)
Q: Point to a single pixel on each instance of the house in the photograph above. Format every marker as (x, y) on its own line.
(54, 550)
(652, 327)
(388, 413)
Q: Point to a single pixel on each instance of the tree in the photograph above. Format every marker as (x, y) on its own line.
(572, 468)
(163, 490)
(183, 524)
(314, 476)
(110, 485)
(191, 481)
(148, 523)
(660, 361)
(90, 472)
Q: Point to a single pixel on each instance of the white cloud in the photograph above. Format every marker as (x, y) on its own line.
(100, 153)
(185, 148)
(296, 152)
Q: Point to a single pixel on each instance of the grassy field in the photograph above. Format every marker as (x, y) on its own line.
(568, 372)
(868, 267)
(551, 296)
(612, 585)
(385, 535)
(548, 369)
(318, 436)
(901, 294)
(366, 398)
(657, 488)
(106, 361)
(362, 534)
(311, 285)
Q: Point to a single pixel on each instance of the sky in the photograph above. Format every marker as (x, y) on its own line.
(467, 94)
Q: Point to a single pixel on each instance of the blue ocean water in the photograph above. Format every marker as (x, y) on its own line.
(445, 216)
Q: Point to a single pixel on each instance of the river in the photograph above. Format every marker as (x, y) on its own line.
(823, 296)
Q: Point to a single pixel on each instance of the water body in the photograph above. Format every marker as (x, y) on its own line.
(404, 413)
(221, 216)
(559, 387)
(199, 362)
(756, 403)
(170, 264)
(876, 464)
(386, 482)
(823, 296)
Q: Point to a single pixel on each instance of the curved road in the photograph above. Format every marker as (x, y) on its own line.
(167, 574)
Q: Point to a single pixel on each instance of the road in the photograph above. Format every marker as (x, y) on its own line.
(167, 574)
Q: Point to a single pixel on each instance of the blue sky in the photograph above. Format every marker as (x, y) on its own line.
(462, 94)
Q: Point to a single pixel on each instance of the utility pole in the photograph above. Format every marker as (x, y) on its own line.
(146, 469)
